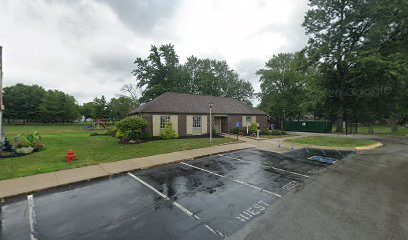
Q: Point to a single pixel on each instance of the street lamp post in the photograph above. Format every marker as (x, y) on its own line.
(210, 105)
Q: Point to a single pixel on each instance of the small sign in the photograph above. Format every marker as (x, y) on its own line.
(237, 124)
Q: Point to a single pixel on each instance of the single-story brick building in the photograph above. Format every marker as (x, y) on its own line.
(189, 114)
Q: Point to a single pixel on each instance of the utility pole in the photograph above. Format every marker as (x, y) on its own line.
(210, 105)
(1, 96)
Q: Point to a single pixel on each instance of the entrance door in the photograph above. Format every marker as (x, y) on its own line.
(217, 124)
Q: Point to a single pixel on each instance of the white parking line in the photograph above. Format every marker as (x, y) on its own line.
(31, 217)
(185, 210)
(237, 181)
(262, 165)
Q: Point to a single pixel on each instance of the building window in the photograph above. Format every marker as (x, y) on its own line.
(163, 121)
(196, 122)
(248, 119)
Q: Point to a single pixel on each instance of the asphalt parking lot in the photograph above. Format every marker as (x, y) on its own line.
(207, 198)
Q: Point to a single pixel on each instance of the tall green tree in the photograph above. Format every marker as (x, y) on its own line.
(284, 85)
(216, 78)
(120, 107)
(337, 30)
(100, 109)
(22, 102)
(161, 72)
(56, 106)
(158, 73)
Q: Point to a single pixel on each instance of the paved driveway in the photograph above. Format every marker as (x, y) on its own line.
(365, 197)
(208, 198)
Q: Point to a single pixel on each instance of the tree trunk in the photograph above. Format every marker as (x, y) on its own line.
(370, 128)
(339, 121)
(342, 100)
(393, 125)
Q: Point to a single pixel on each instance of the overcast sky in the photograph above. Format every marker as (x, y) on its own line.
(87, 48)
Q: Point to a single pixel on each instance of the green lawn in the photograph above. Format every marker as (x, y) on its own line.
(384, 130)
(381, 130)
(12, 130)
(89, 150)
(273, 136)
(332, 141)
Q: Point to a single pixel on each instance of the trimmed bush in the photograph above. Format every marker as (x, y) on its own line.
(131, 129)
(26, 144)
(168, 132)
(147, 136)
(7, 146)
(214, 132)
(111, 132)
(24, 150)
(119, 134)
(131, 124)
(38, 146)
(133, 135)
(275, 132)
(253, 127)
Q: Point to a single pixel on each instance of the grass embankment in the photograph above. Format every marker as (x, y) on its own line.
(384, 130)
(381, 130)
(89, 150)
(332, 141)
(265, 137)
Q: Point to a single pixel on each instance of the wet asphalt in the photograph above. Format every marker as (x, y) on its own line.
(207, 198)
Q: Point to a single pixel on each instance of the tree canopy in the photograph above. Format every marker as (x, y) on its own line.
(162, 72)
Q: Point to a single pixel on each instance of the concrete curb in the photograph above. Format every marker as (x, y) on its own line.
(24, 185)
(372, 146)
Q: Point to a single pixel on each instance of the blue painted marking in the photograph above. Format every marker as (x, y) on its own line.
(322, 159)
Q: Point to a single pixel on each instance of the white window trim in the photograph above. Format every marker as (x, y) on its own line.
(246, 119)
(168, 120)
(200, 121)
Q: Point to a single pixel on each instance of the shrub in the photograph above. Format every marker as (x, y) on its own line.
(131, 124)
(111, 132)
(33, 137)
(130, 129)
(25, 150)
(21, 144)
(22, 140)
(119, 134)
(275, 132)
(133, 135)
(93, 134)
(235, 130)
(38, 146)
(7, 147)
(168, 132)
(253, 127)
(214, 132)
(147, 136)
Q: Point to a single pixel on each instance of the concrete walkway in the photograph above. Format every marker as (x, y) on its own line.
(17, 186)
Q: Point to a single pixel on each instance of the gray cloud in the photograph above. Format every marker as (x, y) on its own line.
(87, 47)
(292, 29)
(141, 16)
(247, 69)
(112, 63)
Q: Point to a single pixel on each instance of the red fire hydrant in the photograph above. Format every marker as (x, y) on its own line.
(70, 156)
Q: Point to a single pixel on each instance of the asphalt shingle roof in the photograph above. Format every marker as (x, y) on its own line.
(170, 102)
